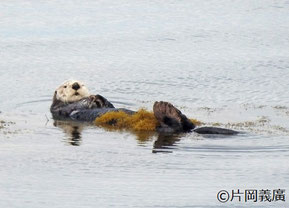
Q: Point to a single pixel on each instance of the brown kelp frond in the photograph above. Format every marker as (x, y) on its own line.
(142, 120)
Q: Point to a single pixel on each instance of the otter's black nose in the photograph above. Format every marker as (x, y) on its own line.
(75, 86)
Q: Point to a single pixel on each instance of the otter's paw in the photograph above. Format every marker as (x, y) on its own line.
(97, 101)
(170, 117)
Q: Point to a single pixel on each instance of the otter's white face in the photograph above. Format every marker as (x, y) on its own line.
(71, 91)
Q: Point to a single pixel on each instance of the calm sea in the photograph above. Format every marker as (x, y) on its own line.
(224, 62)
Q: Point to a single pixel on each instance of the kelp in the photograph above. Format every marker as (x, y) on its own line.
(142, 120)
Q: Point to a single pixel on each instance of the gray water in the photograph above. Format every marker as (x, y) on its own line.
(222, 62)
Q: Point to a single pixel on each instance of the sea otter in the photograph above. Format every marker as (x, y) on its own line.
(73, 101)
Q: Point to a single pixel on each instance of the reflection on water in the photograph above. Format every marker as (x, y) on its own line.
(72, 130)
(165, 143)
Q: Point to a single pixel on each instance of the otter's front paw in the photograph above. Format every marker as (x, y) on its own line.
(93, 102)
(97, 101)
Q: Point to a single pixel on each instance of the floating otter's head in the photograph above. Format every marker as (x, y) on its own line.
(71, 91)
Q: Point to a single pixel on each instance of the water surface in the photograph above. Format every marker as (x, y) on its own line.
(223, 62)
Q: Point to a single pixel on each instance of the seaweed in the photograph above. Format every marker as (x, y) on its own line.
(142, 120)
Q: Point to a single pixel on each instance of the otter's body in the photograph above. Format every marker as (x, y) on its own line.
(86, 109)
(72, 101)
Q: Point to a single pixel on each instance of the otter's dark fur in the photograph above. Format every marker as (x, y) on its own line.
(62, 110)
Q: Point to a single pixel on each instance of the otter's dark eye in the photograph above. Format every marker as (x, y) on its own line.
(65, 86)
